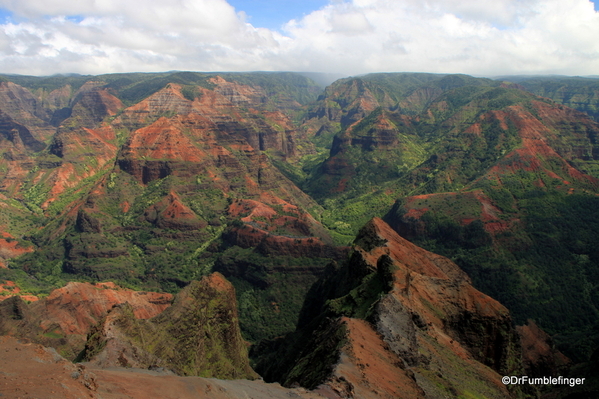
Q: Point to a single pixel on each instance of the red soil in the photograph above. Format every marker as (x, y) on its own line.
(29, 371)
(78, 306)
(10, 248)
(369, 369)
(535, 146)
(489, 213)
(162, 140)
(175, 209)
(10, 288)
(538, 352)
(435, 291)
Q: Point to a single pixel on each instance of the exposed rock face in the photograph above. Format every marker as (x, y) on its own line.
(171, 213)
(543, 150)
(58, 98)
(190, 145)
(166, 101)
(142, 192)
(17, 145)
(539, 355)
(198, 335)
(91, 107)
(209, 137)
(19, 135)
(367, 369)
(22, 106)
(356, 100)
(23, 128)
(80, 153)
(390, 141)
(219, 111)
(239, 94)
(65, 317)
(271, 244)
(277, 227)
(422, 334)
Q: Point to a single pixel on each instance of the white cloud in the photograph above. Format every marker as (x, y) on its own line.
(468, 36)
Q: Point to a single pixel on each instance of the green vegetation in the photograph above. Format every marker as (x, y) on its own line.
(279, 85)
(364, 143)
(543, 268)
(370, 166)
(270, 289)
(197, 335)
(575, 92)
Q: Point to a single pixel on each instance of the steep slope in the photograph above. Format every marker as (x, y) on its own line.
(112, 326)
(142, 181)
(198, 335)
(575, 92)
(487, 174)
(154, 180)
(64, 318)
(25, 109)
(396, 320)
(346, 101)
(527, 220)
(461, 133)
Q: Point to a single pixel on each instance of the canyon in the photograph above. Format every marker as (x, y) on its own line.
(165, 223)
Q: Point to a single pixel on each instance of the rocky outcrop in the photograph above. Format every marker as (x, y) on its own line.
(271, 219)
(17, 147)
(272, 244)
(161, 149)
(77, 144)
(198, 335)
(24, 108)
(168, 101)
(19, 135)
(64, 318)
(381, 130)
(409, 323)
(91, 107)
(239, 94)
(539, 355)
(77, 153)
(58, 98)
(220, 109)
(171, 213)
(186, 146)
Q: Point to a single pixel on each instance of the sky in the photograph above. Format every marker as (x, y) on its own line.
(349, 37)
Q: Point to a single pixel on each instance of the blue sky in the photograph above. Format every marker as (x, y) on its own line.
(478, 37)
(5, 15)
(273, 14)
